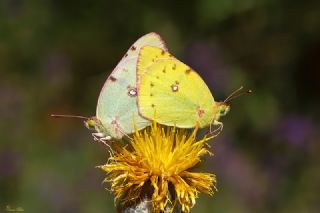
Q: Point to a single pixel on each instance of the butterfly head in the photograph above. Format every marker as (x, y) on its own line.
(223, 108)
(92, 123)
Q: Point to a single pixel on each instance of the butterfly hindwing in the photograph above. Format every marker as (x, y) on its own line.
(117, 104)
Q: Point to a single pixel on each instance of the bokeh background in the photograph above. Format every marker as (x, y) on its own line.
(55, 56)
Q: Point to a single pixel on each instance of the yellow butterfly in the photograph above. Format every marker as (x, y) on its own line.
(174, 93)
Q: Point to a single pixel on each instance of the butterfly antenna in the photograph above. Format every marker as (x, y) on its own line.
(234, 95)
(69, 116)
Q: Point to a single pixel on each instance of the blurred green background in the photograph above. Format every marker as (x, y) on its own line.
(55, 56)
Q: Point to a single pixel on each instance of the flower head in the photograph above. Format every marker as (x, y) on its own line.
(161, 157)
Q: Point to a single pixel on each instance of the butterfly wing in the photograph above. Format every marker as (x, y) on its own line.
(147, 57)
(117, 104)
(171, 91)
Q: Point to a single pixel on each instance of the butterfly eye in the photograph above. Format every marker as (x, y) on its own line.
(224, 109)
(90, 124)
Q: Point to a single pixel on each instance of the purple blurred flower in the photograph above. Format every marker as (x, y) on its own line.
(57, 192)
(56, 69)
(11, 97)
(9, 163)
(208, 63)
(238, 171)
(296, 130)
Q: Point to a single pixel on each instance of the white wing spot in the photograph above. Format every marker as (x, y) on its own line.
(174, 88)
(132, 92)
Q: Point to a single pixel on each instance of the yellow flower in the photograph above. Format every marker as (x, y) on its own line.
(161, 157)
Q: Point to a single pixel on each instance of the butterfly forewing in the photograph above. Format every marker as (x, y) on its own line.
(172, 91)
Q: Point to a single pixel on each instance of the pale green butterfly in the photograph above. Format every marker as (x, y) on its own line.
(117, 102)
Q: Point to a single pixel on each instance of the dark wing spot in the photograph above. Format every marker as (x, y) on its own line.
(133, 48)
(164, 70)
(157, 77)
(174, 66)
(188, 71)
(113, 79)
(151, 94)
(177, 82)
(163, 52)
(152, 105)
(151, 84)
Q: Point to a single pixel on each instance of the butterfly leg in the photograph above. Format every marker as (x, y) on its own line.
(97, 135)
(217, 130)
(103, 139)
(196, 126)
(220, 124)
